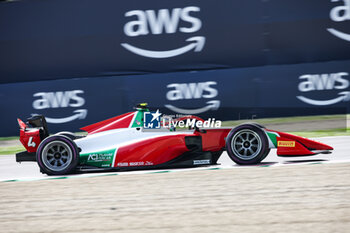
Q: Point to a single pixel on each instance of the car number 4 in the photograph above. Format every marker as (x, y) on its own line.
(31, 143)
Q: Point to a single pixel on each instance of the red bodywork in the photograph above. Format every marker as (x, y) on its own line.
(30, 138)
(153, 151)
(213, 139)
(291, 145)
(118, 122)
(162, 149)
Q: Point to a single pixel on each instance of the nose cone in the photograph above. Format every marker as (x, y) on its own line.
(326, 146)
(314, 145)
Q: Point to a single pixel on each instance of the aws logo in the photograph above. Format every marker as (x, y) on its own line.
(61, 99)
(340, 14)
(323, 82)
(164, 21)
(189, 91)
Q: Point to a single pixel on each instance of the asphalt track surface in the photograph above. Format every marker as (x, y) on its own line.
(309, 194)
(10, 170)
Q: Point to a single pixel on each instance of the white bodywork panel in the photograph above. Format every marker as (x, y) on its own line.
(113, 139)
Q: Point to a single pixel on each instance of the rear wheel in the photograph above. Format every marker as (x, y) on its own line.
(57, 155)
(67, 134)
(247, 144)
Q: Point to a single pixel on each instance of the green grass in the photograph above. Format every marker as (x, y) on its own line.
(323, 133)
(287, 119)
(10, 150)
(9, 138)
(305, 133)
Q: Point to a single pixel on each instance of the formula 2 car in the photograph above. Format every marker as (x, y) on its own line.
(122, 143)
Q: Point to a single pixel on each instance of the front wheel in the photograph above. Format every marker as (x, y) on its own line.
(57, 155)
(247, 144)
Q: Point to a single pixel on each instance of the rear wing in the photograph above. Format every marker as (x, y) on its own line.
(21, 124)
(33, 132)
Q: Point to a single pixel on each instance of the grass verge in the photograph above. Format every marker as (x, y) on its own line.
(10, 150)
(288, 119)
(9, 138)
(323, 133)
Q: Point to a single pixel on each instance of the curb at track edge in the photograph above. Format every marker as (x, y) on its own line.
(169, 171)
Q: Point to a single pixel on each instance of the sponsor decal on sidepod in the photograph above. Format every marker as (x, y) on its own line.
(201, 162)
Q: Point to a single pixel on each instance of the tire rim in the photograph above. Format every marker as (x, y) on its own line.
(246, 144)
(56, 156)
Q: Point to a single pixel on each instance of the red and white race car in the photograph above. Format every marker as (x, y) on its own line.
(123, 143)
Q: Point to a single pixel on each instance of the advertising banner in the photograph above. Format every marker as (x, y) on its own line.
(227, 94)
(57, 39)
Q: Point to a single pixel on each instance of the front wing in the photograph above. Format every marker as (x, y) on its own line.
(289, 145)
